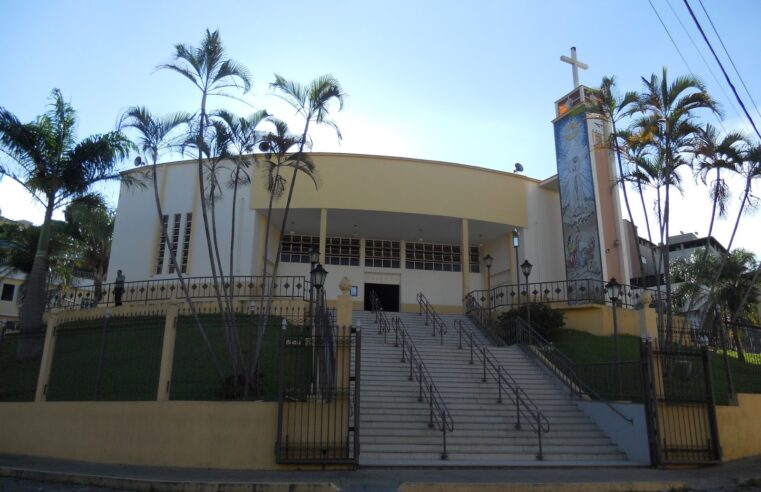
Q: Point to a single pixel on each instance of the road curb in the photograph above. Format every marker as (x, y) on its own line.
(543, 487)
(165, 486)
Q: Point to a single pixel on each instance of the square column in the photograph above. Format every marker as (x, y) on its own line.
(465, 258)
(323, 233)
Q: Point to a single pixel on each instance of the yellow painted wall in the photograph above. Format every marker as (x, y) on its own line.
(358, 182)
(598, 320)
(740, 427)
(231, 435)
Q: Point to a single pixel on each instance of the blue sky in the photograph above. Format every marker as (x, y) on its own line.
(469, 82)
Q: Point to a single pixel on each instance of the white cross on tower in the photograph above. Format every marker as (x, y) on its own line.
(576, 64)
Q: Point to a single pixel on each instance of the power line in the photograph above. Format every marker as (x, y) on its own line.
(715, 78)
(670, 37)
(731, 85)
(730, 58)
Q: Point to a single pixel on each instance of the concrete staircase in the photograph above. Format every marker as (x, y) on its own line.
(394, 425)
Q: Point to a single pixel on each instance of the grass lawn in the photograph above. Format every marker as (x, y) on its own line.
(194, 376)
(18, 379)
(129, 370)
(594, 355)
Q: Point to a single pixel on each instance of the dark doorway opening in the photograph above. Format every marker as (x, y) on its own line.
(387, 294)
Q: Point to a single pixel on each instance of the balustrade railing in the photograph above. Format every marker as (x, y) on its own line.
(565, 291)
(526, 411)
(147, 291)
(483, 319)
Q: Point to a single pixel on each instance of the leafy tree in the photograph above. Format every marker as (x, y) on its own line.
(54, 168)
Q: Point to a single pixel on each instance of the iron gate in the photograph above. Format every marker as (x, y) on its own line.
(318, 399)
(680, 405)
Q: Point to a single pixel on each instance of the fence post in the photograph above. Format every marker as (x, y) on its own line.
(167, 353)
(715, 444)
(48, 349)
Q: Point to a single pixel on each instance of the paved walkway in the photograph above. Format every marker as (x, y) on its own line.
(23, 474)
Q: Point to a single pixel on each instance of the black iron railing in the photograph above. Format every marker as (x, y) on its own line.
(581, 380)
(439, 415)
(564, 291)
(437, 324)
(483, 319)
(526, 411)
(147, 291)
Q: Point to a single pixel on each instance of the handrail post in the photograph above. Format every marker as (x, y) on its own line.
(430, 404)
(444, 430)
(420, 378)
(483, 354)
(539, 456)
(499, 383)
(517, 409)
(459, 331)
(410, 376)
(404, 355)
(441, 333)
(471, 347)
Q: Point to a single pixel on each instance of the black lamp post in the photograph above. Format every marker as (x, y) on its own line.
(526, 269)
(488, 260)
(314, 258)
(516, 245)
(613, 289)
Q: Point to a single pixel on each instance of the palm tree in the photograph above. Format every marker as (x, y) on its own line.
(208, 68)
(312, 102)
(155, 135)
(667, 112)
(49, 163)
(90, 224)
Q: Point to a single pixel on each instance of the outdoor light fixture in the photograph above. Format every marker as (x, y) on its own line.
(526, 269)
(314, 255)
(516, 245)
(488, 260)
(318, 275)
(614, 290)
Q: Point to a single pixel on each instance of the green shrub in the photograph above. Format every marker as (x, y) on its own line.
(544, 319)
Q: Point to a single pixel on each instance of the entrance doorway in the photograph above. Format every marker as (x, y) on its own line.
(388, 295)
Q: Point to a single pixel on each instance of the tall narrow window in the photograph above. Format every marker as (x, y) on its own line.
(186, 241)
(475, 263)
(175, 238)
(8, 290)
(162, 245)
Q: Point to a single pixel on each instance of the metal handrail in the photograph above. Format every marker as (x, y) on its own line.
(482, 318)
(556, 361)
(384, 325)
(439, 414)
(524, 406)
(430, 315)
(570, 291)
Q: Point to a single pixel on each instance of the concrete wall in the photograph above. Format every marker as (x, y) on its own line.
(229, 435)
(740, 427)
(598, 320)
(631, 438)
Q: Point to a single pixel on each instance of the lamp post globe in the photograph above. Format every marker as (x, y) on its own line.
(488, 260)
(516, 245)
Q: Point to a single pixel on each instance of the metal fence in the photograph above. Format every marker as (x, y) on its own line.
(147, 291)
(565, 291)
(20, 356)
(318, 412)
(107, 358)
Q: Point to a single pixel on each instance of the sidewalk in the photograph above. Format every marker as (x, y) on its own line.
(723, 477)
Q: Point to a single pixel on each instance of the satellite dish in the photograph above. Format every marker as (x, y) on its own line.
(138, 161)
(518, 167)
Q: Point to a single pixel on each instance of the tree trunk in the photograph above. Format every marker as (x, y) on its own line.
(33, 306)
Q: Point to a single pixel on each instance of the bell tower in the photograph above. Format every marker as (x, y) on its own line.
(593, 233)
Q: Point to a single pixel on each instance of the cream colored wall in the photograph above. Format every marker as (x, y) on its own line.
(543, 238)
(9, 309)
(739, 429)
(357, 182)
